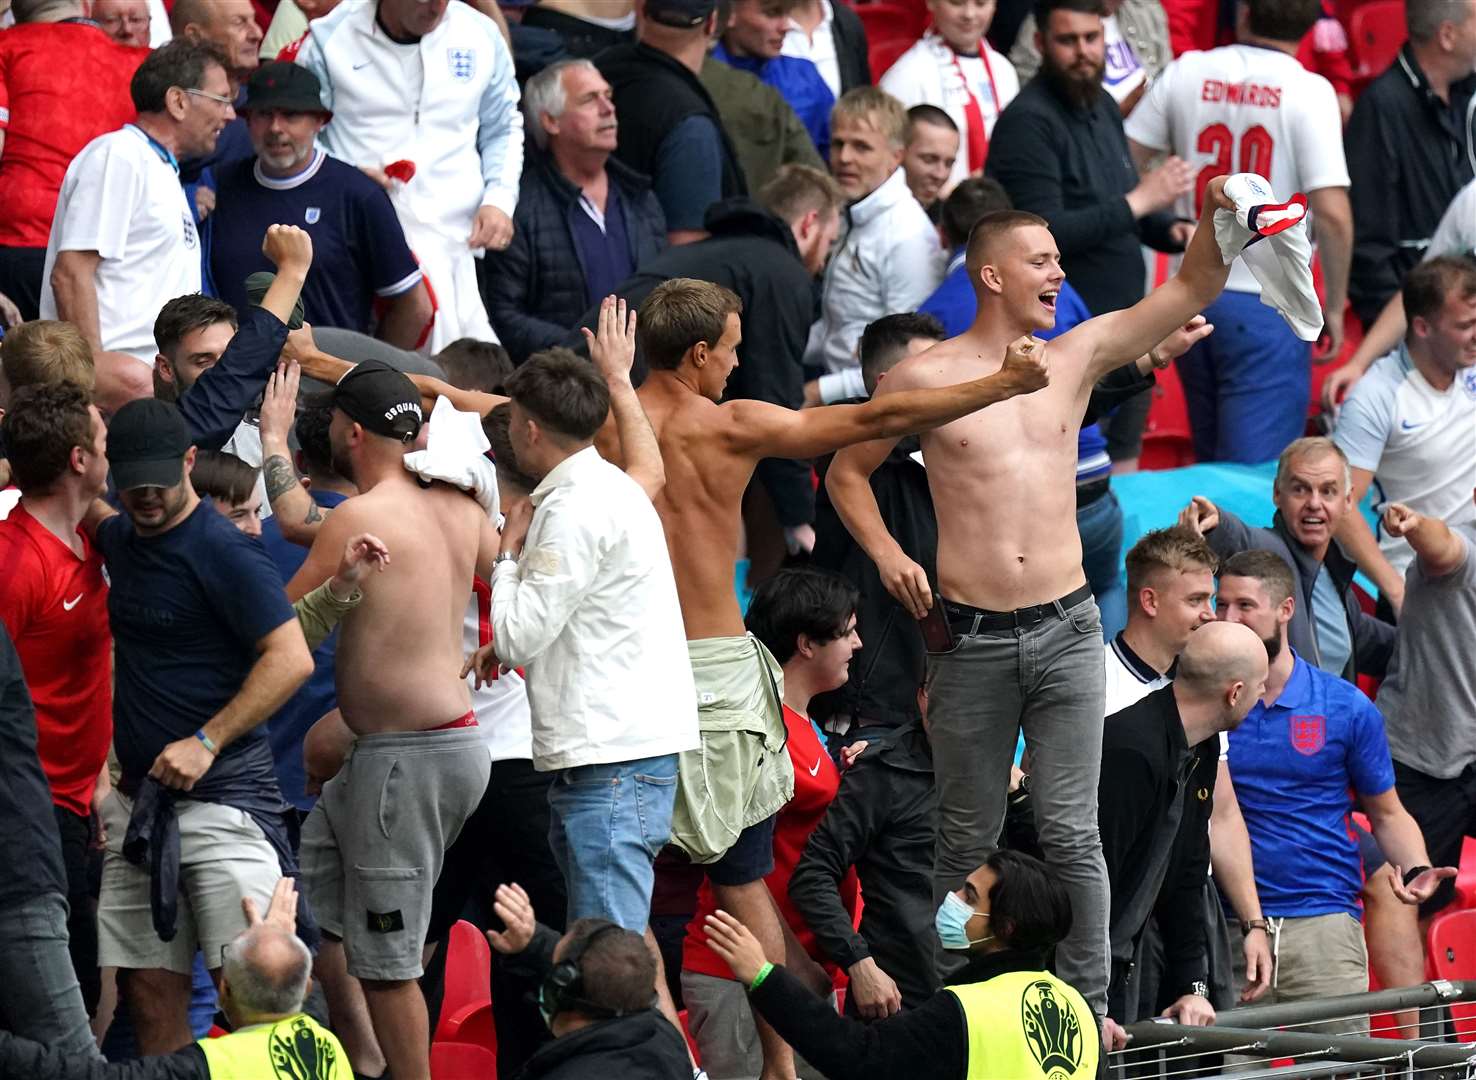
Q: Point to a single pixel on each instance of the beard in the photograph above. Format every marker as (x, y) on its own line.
(1273, 646)
(1080, 89)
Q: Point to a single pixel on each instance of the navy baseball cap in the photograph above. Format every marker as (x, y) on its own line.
(285, 86)
(147, 443)
(380, 398)
(684, 14)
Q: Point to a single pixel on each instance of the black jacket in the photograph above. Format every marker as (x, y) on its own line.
(1408, 155)
(851, 48)
(654, 93)
(643, 1044)
(929, 1042)
(883, 821)
(1373, 639)
(22, 1058)
(535, 288)
(1072, 167)
(30, 845)
(753, 253)
(885, 675)
(1142, 809)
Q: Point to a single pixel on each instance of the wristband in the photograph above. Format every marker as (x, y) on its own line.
(1412, 873)
(209, 743)
(763, 973)
(1247, 925)
(505, 556)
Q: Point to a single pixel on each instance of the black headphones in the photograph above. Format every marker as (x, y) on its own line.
(563, 989)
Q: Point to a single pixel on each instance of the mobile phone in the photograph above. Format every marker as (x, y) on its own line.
(937, 631)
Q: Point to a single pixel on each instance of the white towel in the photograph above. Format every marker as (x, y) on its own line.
(455, 451)
(1271, 237)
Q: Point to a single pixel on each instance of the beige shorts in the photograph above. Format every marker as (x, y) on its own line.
(223, 857)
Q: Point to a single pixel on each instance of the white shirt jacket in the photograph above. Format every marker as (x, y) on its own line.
(590, 612)
(448, 103)
(890, 260)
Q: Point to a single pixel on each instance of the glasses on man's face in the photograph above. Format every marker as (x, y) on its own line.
(210, 97)
(116, 22)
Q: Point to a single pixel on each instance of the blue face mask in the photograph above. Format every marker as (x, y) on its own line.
(952, 923)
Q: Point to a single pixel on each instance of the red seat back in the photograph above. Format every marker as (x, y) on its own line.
(462, 1061)
(884, 54)
(1376, 32)
(468, 976)
(1451, 943)
(891, 22)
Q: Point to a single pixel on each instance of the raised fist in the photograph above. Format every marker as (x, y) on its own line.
(289, 247)
(1025, 365)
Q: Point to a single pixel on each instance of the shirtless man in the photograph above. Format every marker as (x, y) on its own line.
(690, 331)
(1029, 642)
(418, 767)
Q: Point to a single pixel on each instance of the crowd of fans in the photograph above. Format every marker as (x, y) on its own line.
(630, 475)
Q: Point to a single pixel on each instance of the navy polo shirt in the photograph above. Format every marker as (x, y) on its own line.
(1296, 767)
(604, 253)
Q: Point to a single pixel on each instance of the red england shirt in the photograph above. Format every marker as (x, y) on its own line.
(816, 780)
(61, 85)
(55, 606)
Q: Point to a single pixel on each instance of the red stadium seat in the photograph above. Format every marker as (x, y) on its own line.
(466, 1006)
(890, 22)
(1376, 32)
(462, 1061)
(884, 54)
(1451, 944)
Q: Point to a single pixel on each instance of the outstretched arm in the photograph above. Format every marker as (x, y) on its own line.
(316, 364)
(1118, 337)
(1439, 550)
(613, 351)
(763, 430)
(298, 516)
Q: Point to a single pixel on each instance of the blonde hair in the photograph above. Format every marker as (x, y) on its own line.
(1176, 549)
(47, 351)
(795, 190)
(876, 109)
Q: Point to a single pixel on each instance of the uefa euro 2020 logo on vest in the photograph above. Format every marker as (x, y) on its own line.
(1052, 1031)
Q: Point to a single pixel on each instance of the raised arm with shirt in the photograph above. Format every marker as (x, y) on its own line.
(500, 133)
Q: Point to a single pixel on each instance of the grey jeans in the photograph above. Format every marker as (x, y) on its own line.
(1047, 681)
(42, 999)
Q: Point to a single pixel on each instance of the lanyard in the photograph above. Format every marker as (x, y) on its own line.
(165, 154)
(973, 114)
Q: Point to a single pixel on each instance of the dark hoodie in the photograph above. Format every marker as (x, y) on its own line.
(752, 252)
(644, 1044)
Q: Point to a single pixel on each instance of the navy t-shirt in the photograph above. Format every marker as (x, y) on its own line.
(187, 608)
(359, 248)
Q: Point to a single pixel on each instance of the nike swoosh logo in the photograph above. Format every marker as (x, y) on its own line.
(1407, 426)
(358, 67)
(816, 770)
(68, 605)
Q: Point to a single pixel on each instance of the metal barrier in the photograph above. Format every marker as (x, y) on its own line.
(1244, 1041)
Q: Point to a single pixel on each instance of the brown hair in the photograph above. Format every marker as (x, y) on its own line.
(1430, 282)
(563, 392)
(495, 426)
(47, 351)
(1267, 567)
(678, 314)
(44, 422)
(987, 231)
(795, 190)
(1176, 549)
(223, 477)
(877, 109)
(475, 365)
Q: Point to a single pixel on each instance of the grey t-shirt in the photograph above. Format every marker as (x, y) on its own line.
(1429, 697)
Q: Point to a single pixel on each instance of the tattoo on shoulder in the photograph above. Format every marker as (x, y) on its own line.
(314, 515)
(279, 475)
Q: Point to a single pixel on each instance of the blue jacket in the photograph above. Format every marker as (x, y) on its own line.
(535, 290)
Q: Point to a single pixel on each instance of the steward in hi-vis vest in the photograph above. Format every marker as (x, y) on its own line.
(1001, 1017)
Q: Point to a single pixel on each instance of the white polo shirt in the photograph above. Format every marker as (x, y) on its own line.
(1130, 679)
(121, 198)
(1419, 442)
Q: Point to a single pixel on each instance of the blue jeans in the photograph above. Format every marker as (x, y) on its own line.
(1247, 384)
(607, 824)
(1100, 525)
(42, 999)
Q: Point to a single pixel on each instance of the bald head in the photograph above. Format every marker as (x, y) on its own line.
(266, 970)
(1224, 664)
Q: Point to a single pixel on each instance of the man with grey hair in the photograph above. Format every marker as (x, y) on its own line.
(584, 222)
(1312, 493)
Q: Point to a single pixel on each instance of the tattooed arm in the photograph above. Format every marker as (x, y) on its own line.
(297, 515)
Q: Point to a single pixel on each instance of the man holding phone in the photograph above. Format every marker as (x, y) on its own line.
(1010, 561)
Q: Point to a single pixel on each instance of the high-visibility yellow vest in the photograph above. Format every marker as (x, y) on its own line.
(292, 1049)
(1027, 1025)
